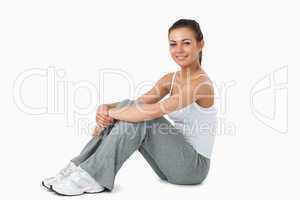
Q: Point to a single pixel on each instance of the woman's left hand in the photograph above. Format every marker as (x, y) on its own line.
(102, 118)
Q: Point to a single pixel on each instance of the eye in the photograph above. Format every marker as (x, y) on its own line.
(187, 43)
(172, 44)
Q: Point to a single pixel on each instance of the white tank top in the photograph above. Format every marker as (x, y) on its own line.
(198, 125)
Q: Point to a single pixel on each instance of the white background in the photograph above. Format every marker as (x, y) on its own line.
(245, 41)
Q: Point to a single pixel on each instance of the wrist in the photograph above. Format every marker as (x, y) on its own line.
(112, 112)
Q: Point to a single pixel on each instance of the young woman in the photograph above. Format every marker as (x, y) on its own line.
(179, 154)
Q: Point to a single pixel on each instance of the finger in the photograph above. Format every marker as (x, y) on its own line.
(99, 121)
(102, 122)
(102, 116)
(108, 118)
(105, 118)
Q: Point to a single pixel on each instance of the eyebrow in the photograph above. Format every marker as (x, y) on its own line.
(181, 40)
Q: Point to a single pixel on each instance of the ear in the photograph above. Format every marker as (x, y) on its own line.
(201, 43)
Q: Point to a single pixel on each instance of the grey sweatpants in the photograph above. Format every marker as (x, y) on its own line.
(163, 147)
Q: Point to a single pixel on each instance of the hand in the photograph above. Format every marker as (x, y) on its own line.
(102, 118)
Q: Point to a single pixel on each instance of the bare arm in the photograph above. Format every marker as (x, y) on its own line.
(112, 105)
(157, 92)
(148, 111)
(147, 101)
(154, 95)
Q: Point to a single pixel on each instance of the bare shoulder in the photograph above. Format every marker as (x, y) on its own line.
(166, 80)
(204, 91)
(167, 77)
(203, 84)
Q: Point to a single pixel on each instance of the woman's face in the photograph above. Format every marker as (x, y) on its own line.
(184, 48)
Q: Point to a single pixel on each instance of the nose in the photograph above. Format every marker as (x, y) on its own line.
(179, 48)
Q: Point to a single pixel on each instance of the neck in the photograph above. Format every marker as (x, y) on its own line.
(187, 72)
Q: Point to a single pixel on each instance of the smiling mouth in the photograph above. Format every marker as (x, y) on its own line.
(181, 57)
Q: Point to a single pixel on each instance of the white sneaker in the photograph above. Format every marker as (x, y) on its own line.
(77, 183)
(62, 173)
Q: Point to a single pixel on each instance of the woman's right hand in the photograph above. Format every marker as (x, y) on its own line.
(102, 118)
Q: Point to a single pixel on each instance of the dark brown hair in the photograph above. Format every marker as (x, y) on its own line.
(191, 24)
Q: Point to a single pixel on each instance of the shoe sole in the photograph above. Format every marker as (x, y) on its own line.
(43, 184)
(74, 194)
